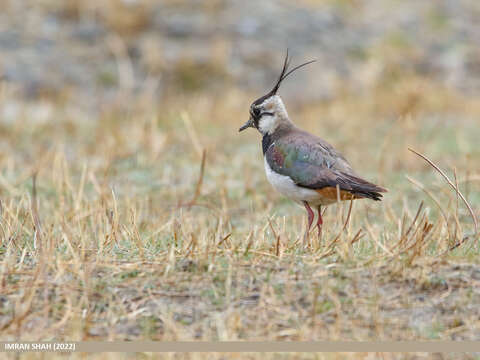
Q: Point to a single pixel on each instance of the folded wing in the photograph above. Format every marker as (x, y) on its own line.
(314, 164)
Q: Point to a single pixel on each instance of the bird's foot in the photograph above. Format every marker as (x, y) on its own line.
(306, 240)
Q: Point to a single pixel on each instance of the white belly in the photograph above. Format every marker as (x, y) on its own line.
(285, 186)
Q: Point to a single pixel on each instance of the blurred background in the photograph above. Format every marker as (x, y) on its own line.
(85, 52)
(140, 85)
(136, 89)
(134, 75)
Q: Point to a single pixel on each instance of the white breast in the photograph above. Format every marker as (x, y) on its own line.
(284, 185)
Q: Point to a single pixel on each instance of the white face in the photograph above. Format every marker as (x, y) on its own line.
(269, 114)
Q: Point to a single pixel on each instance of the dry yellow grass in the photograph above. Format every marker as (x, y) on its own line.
(118, 238)
(153, 220)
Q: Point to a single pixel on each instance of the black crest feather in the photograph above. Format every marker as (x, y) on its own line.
(285, 72)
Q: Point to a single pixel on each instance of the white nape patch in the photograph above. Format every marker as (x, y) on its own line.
(285, 186)
(268, 123)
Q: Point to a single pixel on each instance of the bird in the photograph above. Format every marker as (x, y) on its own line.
(302, 166)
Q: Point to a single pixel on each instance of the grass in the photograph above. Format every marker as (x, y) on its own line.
(125, 235)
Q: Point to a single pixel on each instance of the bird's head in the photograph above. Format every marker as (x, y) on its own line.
(268, 111)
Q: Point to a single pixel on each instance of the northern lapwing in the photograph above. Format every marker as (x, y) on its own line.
(300, 165)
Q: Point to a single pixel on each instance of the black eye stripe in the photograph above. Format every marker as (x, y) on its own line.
(256, 113)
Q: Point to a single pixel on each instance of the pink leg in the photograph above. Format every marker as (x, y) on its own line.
(320, 220)
(311, 215)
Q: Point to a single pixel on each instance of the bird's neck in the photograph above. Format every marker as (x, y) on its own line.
(281, 129)
(267, 140)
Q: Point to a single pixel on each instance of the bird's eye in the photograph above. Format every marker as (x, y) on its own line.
(256, 112)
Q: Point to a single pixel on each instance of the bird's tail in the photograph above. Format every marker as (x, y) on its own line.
(364, 188)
